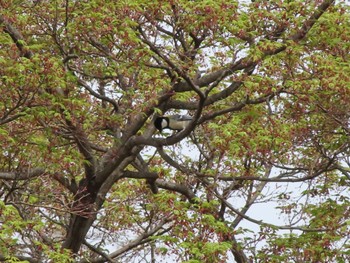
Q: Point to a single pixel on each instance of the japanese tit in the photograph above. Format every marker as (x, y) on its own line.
(173, 122)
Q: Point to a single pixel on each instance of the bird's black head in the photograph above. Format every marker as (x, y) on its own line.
(158, 123)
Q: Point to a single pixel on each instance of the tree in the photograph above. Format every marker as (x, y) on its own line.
(84, 173)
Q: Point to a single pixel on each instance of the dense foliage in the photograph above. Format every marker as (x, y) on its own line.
(86, 178)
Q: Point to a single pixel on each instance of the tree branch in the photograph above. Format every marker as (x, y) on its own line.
(180, 188)
(261, 222)
(99, 252)
(22, 258)
(143, 238)
(16, 37)
(30, 173)
(308, 24)
(97, 95)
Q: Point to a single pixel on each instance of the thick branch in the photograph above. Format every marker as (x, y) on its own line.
(22, 258)
(22, 175)
(85, 149)
(140, 175)
(180, 188)
(308, 24)
(16, 37)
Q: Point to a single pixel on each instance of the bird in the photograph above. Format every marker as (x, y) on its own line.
(173, 122)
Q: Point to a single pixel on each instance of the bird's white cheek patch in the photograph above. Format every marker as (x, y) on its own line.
(164, 123)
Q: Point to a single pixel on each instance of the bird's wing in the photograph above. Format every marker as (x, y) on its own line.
(181, 117)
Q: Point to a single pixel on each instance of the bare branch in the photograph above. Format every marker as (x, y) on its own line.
(281, 178)
(261, 222)
(253, 196)
(143, 238)
(97, 95)
(178, 70)
(171, 162)
(99, 252)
